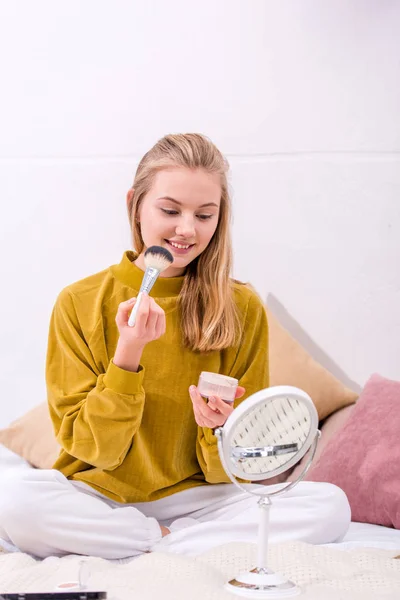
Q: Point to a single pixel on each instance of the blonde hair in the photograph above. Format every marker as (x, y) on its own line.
(208, 313)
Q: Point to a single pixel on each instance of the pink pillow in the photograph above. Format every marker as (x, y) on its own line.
(363, 458)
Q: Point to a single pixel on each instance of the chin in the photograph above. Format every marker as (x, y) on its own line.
(181, 261)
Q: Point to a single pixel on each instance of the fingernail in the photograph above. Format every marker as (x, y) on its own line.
(131, 300)
(192, 388)
(212, 399)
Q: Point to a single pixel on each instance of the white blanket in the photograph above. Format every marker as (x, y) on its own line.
(323, 573)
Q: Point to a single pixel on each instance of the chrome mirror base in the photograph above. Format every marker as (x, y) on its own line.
(262, 583)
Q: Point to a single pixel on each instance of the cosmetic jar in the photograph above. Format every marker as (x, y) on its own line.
(214, 384)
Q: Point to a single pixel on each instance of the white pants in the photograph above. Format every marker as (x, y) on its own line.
(43, 513)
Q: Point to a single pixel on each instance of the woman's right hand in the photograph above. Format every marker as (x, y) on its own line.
(149, 326)
(150, 321)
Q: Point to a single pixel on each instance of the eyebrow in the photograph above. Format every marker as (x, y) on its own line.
(180, 203)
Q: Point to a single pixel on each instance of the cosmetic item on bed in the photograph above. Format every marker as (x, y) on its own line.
(82, 595)
(156, 259)
(264, 436)
(81, 584)
(215, 384)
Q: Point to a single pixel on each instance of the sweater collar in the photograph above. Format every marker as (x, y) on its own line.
(129, 274)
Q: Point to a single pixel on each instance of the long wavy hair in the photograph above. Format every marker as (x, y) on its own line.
(208, 314)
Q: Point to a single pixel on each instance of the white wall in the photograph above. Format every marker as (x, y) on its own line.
(302, 96)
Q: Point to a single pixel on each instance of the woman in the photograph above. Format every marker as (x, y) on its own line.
(139, 468)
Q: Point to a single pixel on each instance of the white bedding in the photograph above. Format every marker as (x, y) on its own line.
(360, 535)
(364, 535)
(9, 460)
(322, 573)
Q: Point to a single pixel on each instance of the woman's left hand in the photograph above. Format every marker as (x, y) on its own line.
(214, 413)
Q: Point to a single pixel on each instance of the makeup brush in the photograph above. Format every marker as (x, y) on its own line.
(156, 259)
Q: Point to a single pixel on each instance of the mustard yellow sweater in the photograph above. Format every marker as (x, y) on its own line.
(133, 436)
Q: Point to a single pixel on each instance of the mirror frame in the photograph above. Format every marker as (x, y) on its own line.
(248, 405)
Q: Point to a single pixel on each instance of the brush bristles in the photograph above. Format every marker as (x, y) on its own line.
(158, 258)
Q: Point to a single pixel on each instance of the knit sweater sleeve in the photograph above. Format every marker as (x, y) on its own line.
(95, 415)
(250, 367)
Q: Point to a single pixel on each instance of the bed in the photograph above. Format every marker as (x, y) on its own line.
(361, 566)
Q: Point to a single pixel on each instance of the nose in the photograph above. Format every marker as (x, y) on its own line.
(186, 227)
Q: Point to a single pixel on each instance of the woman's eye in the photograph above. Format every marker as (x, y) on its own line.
(169, 212)
(204, 217)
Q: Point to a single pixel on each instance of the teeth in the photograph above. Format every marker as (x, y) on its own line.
(179, 245)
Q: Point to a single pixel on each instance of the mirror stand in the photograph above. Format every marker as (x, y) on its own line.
(262, 582)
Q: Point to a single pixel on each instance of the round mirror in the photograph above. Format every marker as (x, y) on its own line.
(264, 436)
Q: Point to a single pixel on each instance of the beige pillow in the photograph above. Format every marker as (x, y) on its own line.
(32, 436)
(291, 364)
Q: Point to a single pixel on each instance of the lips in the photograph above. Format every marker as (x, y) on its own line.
(179, 247)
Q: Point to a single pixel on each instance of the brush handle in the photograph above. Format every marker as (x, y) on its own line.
(149, 279)
(132, 316)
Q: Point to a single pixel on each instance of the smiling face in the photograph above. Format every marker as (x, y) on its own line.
(180, 212)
